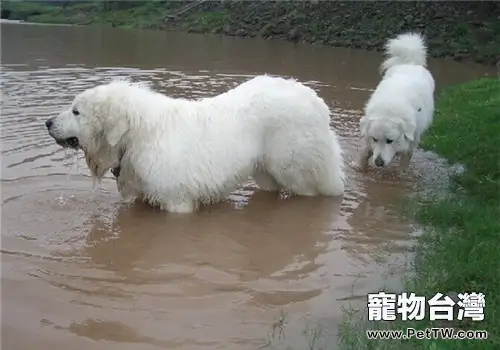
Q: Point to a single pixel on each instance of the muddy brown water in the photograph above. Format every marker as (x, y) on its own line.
(83, 270)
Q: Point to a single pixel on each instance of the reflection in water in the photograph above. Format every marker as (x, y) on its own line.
(235, 247)
(81, 269)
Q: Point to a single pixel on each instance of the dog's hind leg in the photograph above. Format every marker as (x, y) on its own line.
(310, 176)
(293, 178)
(307, 164)
(265, 181)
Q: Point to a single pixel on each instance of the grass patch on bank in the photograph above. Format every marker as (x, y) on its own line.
(206, 22)
(127, 14)
(459, 249)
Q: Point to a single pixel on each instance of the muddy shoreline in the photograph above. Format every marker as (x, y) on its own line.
(463, 31)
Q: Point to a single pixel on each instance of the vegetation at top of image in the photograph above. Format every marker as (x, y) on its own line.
(133, 14)
(458, 250)
(465, 30)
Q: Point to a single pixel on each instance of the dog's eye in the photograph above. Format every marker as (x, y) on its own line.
(374, 139)
(389, 141)
(75, 112)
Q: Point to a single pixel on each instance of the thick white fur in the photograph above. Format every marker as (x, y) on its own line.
(402, 106)
(178, 153)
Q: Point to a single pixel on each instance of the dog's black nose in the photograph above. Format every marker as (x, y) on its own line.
(379, 161)
(49, 123)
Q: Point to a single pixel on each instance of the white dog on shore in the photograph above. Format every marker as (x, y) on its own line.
(179, 153)
(401, 108)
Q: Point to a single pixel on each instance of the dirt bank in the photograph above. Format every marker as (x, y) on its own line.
(459, 30)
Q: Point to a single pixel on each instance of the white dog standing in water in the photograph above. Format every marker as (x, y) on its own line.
(401, 108)
(178, 153)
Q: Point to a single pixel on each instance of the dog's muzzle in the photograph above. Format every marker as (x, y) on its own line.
(70, 142)
(379, 162)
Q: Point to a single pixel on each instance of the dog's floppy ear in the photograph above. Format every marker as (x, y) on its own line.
(114, 130)
(363, 124)
(408, 129)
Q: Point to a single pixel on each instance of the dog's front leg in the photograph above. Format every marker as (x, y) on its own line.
(406, 158)
(364, 157)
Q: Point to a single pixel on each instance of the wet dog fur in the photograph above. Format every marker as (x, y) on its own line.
(401, 108)
(179, 153)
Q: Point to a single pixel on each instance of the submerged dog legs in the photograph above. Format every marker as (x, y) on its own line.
(364, 157)
(265, 181)
(406, 157)
(180, 208)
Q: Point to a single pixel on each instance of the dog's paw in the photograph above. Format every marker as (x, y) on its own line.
(116, 171)
(358, 167)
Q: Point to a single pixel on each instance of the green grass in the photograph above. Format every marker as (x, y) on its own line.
(142, 14)
(206, 22)
(460, 247)
(139, 14)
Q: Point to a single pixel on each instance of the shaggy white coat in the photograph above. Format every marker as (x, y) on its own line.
(401, 108)
(179, 153)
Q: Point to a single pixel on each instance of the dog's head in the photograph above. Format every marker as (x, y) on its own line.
(96, 122)
(387, 137)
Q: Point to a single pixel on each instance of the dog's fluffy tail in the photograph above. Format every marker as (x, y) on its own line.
(408, 48)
